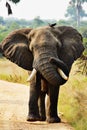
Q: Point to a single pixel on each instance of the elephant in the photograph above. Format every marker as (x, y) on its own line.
(48, 52)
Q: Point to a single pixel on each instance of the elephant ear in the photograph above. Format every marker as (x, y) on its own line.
(72, 46)
(15, 48)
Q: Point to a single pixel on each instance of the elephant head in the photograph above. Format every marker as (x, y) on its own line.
(49, 50)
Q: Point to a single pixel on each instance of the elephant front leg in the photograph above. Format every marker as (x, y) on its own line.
(51, 104)
(42, 99)
(33, 114)
(42, 106)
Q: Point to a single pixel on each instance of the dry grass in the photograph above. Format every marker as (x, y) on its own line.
(73, 100)
(11, 72)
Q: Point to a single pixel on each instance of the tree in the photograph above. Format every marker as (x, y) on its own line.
(1, 21)
(15, 1)
(37, 22)
(75, 10)
(9, 7)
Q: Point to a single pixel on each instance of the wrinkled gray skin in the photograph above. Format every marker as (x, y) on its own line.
(44, 49)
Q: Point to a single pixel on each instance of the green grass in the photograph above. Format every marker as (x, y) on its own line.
(73, 94)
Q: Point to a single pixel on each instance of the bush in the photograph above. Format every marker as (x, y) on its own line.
(84, 34)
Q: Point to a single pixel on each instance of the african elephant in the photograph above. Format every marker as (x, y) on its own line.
(49, 53)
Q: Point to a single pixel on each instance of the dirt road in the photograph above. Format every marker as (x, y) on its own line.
(14, 108)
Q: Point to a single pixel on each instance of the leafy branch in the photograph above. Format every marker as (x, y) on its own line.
(9, 6)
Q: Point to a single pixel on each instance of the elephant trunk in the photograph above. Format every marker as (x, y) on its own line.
(48, 67)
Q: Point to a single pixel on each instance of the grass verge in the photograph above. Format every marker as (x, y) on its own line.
(73, 101)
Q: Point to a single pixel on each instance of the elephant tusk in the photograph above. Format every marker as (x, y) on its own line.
(62, 74)
(32, 75)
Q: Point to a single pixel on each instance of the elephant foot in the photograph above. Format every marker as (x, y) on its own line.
(42, 118)
(33, 118)
(53, 120)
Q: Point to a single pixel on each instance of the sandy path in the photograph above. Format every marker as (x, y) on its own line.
(14, 109)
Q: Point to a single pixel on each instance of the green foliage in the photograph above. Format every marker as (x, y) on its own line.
(2, 20)
(72, 13)
(11, 24)
(75, 10)
(85, 45)
(37, 22)
(14, 26)
(73, 102)
(82, 62)
(84, 34)
(83, 31)
(3, 32)
(3, 35)
(66, 23)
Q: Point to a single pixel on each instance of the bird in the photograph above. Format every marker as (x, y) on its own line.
(52, 25)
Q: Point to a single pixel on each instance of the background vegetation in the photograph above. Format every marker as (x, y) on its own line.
(73, 100)
(73, 97)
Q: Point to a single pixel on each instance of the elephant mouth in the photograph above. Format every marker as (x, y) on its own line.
(62, 69)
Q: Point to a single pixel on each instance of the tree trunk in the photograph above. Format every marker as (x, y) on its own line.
(78, 7)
